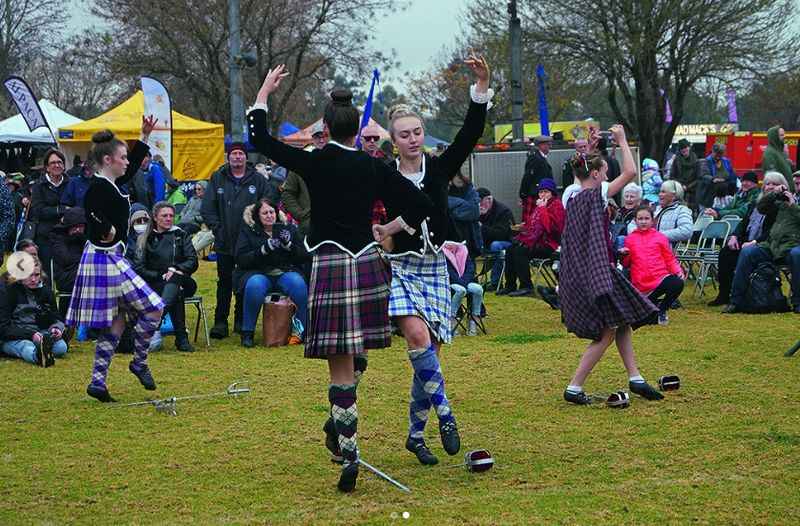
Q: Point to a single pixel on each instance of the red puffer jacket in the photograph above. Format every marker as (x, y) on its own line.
(544, 226)
(650, 259)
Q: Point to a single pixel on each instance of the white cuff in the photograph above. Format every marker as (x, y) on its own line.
(481, 98)
(405, 226)
(258, 106)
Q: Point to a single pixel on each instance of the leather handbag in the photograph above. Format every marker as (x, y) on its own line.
(276, 320)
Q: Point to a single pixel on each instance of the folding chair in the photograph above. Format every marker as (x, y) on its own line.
(713, 238)
(546, 270)
(732, 220)
(197, 301)
(486, 261)
(464, 315)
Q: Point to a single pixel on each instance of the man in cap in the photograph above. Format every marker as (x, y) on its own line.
(684, 170)
(581, 148)
(233, 187)
(318, 136)
(744, 197)
(495, 220)
(536, 167)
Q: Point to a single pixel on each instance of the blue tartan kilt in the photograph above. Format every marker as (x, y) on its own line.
(106, 283)
(421, 287)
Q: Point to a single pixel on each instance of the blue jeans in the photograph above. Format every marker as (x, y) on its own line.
(749, 258)
(26, 349)
(475, 292)
(259, 286)
(497, 267)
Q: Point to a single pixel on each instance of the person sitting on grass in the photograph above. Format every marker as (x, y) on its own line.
(655, 270)
(538, 238)
(269, 257)
(30, 326)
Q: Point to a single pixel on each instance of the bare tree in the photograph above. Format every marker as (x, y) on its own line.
(185, 44)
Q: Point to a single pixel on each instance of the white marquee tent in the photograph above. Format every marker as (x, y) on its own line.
(14, 129)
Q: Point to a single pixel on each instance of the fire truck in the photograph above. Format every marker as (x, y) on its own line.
(745, 149)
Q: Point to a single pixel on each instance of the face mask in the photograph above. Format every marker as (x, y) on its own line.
(139, 229)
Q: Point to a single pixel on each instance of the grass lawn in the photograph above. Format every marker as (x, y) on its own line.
(724, 449)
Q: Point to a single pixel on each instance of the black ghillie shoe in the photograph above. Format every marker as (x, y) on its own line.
(99, 393)
(347, 480)
(577, 398)
(450, 439)
(332, 442)
(144, 376)
(645, 390)
(420, 449)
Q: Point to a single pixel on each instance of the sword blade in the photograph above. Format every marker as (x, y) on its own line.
(383, 475)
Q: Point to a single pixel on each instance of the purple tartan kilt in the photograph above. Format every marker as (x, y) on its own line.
(105, 283)
(348, 303)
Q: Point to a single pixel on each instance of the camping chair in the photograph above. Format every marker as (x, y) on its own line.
(53, 286)
(197, 301)
(713, 238)
(546, 270)
(486, 261)
(464, 315)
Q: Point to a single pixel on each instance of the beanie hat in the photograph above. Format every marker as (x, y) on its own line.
(547, 184)
(237, 146)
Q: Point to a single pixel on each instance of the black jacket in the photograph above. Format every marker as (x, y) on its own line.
(67, 250)
(438, 172)
(251, 260)
(225, 200)
(24, 311)
(343, 185)
(536, 169)
(496, 224)
(163, 250)
(46, 207)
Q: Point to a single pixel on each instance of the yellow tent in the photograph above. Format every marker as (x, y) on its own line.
(571, 129)
(198, 147)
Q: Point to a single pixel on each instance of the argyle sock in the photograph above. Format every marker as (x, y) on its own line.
(418, 407)
(103, 352)
(429, 372)
(143, 331)
(345, 419)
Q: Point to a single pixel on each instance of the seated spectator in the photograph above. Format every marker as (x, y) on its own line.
(68, 240)
(175, 195)
(30, 327)
(495, 220)
(720, 168)
(269, 257)
(191, 219)
(538, 238)
(462, 284)
(651, 181)
(673, 218)
(655, 271)
(166, 260)
(624, 223)
(782, 245)
(754, 228)
(739, 204)
(137, 225)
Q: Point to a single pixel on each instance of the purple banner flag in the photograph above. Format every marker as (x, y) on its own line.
(667, 109)
(733, 117)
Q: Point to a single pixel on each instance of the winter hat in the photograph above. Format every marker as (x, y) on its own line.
(750, 176)
(547, 184)
(138, 211)
(649, 165)
(683, 143)
(317, 127)
(237, 146)
(483, 192)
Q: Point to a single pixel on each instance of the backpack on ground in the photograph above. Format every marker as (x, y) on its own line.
(764, 293)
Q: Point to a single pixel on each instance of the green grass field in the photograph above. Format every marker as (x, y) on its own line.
(723, 449)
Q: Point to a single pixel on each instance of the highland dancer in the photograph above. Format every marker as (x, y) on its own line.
(597, 302)
(107, 290)
(349, 287)
(420, 301)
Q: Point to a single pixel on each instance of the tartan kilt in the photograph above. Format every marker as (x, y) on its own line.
(421, 287)
(105, 283)
(347, 303)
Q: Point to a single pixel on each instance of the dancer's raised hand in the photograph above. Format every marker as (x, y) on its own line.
(271, 82)
(148, 124)
(479, 66)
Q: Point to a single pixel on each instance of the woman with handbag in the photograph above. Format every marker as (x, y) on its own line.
(269, 257)
(349, 285)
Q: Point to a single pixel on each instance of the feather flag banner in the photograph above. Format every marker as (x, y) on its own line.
(157, 104)
(376, 80)
(544, 117)
(667, 109)
(26, 103)
(733, 116)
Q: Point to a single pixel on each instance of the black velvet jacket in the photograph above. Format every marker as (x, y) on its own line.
(343, 185)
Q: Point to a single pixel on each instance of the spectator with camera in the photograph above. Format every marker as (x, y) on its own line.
(269, 258)
(782, 245)
(495, 220)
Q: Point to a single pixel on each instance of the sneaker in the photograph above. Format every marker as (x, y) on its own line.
(99, 393)
(448, 432)
(577, 398)
(332, 442)
(420, 449)
(144, 376)
(472, 328)
(645, 390)
(347, 480)
(44, 351)
(663, 319)
(219, 330)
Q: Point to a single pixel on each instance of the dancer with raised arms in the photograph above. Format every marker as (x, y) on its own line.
(349, 287)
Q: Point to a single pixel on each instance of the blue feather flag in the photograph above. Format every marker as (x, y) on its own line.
(376, 79)
(544, 118)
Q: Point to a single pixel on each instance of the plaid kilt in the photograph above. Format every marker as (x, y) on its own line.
(347, 303)
(104, 284)
(421, 287)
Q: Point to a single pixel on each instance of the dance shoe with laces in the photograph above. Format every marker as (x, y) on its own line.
(420, 449)
(451, 442)
(645, 390)
(142, 372)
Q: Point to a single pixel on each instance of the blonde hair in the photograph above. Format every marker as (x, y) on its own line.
(673, 187)
(775, 178)
(399, 111)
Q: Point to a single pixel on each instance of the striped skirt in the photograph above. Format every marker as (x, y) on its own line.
(105, 284)
(421, 287)
(347, 303)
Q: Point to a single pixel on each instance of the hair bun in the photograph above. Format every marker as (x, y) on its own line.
(103, 136)
(399, 110)
(342, 97)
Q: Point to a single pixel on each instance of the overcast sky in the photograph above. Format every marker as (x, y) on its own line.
(418, 34)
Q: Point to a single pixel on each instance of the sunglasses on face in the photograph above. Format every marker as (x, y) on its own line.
(371, 138)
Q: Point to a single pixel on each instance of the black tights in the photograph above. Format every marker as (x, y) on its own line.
(668, 290)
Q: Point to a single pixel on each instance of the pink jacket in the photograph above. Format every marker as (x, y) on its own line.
(650, 259)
